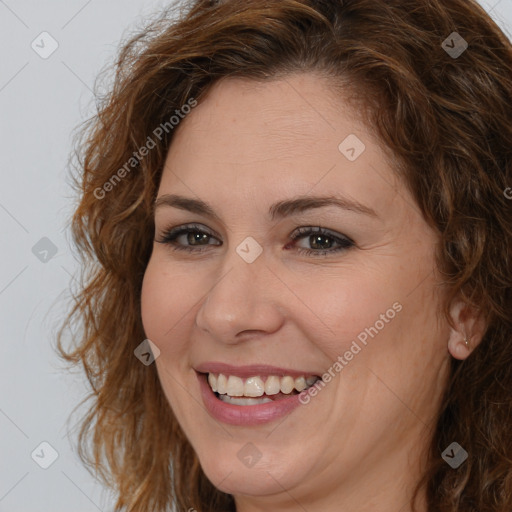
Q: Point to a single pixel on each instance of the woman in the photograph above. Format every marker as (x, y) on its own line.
(298, 244)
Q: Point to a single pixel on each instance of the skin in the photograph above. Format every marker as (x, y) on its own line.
(359, 444)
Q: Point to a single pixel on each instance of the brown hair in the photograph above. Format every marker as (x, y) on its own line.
(446, 120)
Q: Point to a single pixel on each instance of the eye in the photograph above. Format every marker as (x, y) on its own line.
(322, 241)
(194, 238)
(191, 233)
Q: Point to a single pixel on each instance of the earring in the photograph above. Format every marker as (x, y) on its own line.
(466, 341)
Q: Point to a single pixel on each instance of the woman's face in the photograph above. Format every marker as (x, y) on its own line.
(252, 298)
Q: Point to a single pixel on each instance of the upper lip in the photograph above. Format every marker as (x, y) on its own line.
(252, 370)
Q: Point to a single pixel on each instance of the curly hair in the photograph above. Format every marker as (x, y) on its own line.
(445, 119)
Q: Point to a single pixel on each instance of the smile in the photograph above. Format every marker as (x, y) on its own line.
(234, 390)
(251, 395)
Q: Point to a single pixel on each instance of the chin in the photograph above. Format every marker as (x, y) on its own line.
(238, 480)
(223, 464)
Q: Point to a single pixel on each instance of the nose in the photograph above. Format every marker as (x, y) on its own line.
(244, 302)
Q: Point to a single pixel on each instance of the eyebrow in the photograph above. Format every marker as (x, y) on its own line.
(277, 210)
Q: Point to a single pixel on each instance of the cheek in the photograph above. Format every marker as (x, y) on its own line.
(370, 316)
(153, 303)
(163, 309)
(345, 306)
(164, 304)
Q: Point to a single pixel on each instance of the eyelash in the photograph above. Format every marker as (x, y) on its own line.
(344, 242)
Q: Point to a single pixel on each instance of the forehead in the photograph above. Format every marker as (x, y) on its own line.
(284, 136)
(293, 114)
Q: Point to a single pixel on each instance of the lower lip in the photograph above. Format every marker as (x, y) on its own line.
(245, 414)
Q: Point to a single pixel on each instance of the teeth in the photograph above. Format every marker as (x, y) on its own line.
(253, 387)
(244, 401)
(300, 384)
(272, 385)
(222, 384)
(287, 384)
(235, 386)
(212, 380)
(311, 380)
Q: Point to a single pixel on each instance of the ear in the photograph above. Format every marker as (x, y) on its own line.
(469, 325)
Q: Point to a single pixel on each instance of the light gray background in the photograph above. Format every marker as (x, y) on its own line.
(41, 102)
